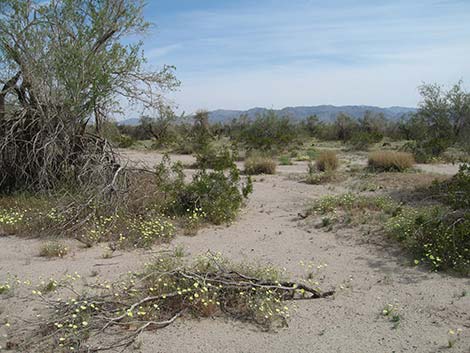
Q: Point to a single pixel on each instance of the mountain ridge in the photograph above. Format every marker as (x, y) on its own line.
(325, 112)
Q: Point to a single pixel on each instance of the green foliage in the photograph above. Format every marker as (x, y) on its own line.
(361, 140)
(125, 141)
(436, 235)
(285, 160)
(210, 156)
(443, 119)
(123, 227)
(350, 201)
(456, 191)
(218, 194)
(267, 132)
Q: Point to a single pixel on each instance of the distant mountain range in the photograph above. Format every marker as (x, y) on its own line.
(324, 113)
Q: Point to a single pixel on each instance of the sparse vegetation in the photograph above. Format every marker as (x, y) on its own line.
(53, 249)
(314, 177)
(436, 235)
(285, 160)
(327, 161)
(388, 161)
(69, 68)
(391, 311)
(260, 165)
(167, 289)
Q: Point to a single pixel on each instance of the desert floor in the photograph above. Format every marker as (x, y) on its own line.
(367, 272)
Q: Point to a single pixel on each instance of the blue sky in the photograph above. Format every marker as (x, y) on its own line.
(237, 54)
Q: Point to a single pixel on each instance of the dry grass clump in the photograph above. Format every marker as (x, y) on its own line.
(389, 161)
(53, 249)
(327, 161)
(260, 165)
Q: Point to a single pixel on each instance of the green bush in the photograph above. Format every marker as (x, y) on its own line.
(125, 141)
(435, 235)
(211, 157)
(362, 140)
(215, 195)
(456, 191)
(285, 160)
(268, 132)
(424, 151)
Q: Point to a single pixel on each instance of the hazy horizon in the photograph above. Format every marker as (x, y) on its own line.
(238, 55)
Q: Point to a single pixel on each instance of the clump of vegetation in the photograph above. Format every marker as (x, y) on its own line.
(455, 191)
(453, 337)
(210, 156)
(434, 235)
(267, 132)
(392, 312)
(353, 202)
(125, 141)
(260, 165)
(389, 161)
(53, 249)
(285, 160)
(363, 140)
(215, 195)
(438, 234)
(327, 161)
(314, 177)
(125, 227)
(168, 288)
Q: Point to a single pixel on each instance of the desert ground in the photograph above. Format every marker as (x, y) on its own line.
(367, 274)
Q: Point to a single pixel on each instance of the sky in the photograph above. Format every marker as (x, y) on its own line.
(239, 54)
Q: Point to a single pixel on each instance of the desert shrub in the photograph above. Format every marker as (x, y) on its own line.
(125, 141)
(435, 235)
(285, 160)
(389, 161)
(362, 140)
(217, 195)
(456, 191)
(327, 161)
(439, 235)
(455, 155)
(183, 146)
(53, 249)
(217, 158)
(314, 177)
(318, 178)
(260, 165)
(424, 151)
(353, 202)
(267, 132)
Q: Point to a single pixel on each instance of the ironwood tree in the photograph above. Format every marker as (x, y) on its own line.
(64, 65)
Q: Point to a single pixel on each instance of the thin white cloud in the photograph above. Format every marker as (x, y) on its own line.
(159, 52)
(316, 52)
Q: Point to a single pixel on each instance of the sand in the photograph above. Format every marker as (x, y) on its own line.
(366, 275)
